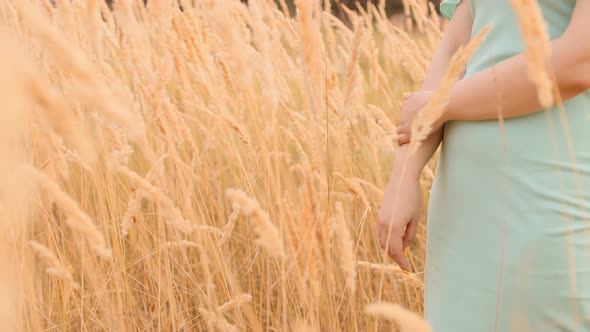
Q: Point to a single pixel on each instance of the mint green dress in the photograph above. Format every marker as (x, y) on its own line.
(509, 218)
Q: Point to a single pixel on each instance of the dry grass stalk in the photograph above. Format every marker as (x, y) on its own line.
(218, 321)
(352, 79)
(374, 62)
(212, 230)
(413, 58)
(269, 237)
(408, 278)
(376, 190)
(89, 84)
(181, 244)
(233, 124)
(62, 119)
(235, 303)
(312, 46)
(408, 321)
(383, 120)
(230, 225)
(133, 209)
(302, 326)
(345, 248)
(355, 188)
(298, 147)
(76, 219)
(54, 265)
(537, 47)
(172, 214)
(120, 157)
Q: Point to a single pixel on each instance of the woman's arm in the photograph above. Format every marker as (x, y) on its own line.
(476, 98)
(458, 34)
(400, 210)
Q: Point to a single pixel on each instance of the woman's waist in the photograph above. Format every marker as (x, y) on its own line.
(530, 139)
(535, 160)
(569, 125)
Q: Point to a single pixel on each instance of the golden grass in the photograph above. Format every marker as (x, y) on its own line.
(217, 168)
(537, 47)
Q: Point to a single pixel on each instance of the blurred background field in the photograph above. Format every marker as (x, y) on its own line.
(215, 168)
(392, 7)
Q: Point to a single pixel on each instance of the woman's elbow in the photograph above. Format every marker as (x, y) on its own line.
(576, 74)
(584, 76)
(579, 76)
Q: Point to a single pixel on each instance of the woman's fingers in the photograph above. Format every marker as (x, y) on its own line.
(404, 133)
(403, 139)
(410, 233)
(391, 240)
(402, 128)
(396, 252)
(382, 235)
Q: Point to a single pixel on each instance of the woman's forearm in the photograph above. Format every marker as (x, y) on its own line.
(482, 96)
(410, 165)
(458, 34)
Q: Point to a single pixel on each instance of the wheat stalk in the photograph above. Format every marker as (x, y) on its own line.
(269, 237)
(76, 219)
(54, 265)
(409, 278)
(234, 303)
(345, 248)
(537, 47)
(355, 188)
(408, 321)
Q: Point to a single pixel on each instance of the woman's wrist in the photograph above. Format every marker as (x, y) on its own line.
(406, 166)
(448, 113)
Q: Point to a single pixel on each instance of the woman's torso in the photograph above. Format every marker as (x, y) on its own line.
(509, 213)
(533, 169)
(539, 140)
(504, 41)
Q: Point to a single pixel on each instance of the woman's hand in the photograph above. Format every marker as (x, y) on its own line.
(399, 216)
(413, 104)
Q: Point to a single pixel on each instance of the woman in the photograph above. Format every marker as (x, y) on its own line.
(508, 244)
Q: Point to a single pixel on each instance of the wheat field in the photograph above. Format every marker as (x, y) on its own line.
(215, 168)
